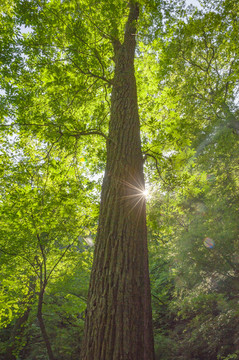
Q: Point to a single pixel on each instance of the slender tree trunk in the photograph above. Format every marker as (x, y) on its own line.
(118, 320)
(17, 334)
(42, 324)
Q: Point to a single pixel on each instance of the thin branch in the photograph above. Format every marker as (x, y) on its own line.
(193, 63)
(106, 36)
(76, 135)
(159, 300)
(89, 73)
(21, 256)
(43, 257)
(52, 145)
(158, 170)
(26, 124)
(79, 296)
(59, 260)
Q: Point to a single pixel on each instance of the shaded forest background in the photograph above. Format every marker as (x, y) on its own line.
(54, 118)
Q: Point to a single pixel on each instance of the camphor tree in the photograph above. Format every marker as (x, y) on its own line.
(59, 93)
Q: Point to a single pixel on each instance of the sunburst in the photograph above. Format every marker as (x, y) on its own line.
(137, 197)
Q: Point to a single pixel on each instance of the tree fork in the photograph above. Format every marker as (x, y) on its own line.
(118, 322)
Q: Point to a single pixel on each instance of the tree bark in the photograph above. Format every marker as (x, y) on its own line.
(42, 324)
(118, 320)
(17, 334)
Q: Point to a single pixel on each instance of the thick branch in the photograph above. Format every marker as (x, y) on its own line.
(130, 28)
(89, 132)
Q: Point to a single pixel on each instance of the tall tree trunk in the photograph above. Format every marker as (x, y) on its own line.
(118, 320)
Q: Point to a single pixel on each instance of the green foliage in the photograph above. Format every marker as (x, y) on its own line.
(193, 140)
(45, 217)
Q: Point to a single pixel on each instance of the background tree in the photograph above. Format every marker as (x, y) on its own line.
(196, 153)
(42, 218)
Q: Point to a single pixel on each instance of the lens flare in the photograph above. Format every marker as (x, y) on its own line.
(209, 243)
(145, 193)
(134, 197)
(89, 241)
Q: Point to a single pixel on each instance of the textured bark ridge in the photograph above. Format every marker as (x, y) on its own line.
(118, 320)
